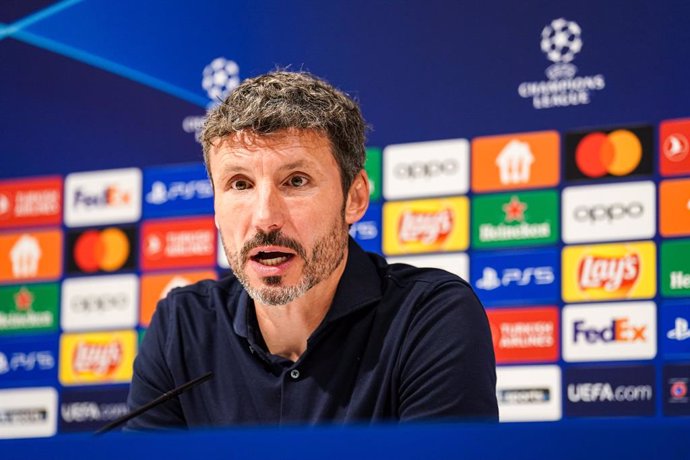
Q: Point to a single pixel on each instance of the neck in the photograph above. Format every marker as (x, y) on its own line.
(286, 328)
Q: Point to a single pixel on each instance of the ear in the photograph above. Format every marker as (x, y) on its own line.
(357, 198)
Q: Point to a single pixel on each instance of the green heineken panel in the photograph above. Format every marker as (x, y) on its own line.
(29, 308)
(675, 268)
(515, 219)
(373, 168)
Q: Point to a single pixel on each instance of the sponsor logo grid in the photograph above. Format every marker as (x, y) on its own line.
(87, 257)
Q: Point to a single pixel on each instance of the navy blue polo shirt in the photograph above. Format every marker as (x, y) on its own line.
(398, 343)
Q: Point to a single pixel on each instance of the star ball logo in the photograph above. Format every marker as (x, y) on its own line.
(101, 250)
(614, 153)
(219, 78)
(561, 41)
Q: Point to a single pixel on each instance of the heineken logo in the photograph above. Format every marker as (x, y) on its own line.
(513, 219)
(23, 299)
(28, 308)
(675, 275)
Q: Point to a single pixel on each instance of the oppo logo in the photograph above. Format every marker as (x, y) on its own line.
(608, 213)
(428, 169)
(99, 303)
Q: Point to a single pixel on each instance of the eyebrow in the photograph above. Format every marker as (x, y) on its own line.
(236, 168)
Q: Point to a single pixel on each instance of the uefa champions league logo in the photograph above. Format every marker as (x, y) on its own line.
(220, 77)
(561, 41)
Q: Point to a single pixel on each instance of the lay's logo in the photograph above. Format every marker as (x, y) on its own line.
(425, 226)
(96, 358)
(607, 272)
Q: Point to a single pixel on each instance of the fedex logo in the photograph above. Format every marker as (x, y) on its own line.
(103, 197)
(110, 196)
(620, 330)
(516, 276)
(609, 332)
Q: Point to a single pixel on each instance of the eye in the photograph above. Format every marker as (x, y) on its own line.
(297, 181)
(240, 184)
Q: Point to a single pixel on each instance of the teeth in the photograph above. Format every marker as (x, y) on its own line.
(274, 261)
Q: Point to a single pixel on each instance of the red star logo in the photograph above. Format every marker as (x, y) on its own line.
(23, 299)
(515, 210)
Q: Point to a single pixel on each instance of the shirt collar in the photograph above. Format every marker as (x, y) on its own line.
(359, 286)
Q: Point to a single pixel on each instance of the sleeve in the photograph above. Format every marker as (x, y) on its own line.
(447, 363)
(152, 378)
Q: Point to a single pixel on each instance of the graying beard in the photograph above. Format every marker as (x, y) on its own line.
(316, 271)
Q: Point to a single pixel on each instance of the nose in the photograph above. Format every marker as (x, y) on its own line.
(269, 209)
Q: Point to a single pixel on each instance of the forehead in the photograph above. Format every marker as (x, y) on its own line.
(284, 146)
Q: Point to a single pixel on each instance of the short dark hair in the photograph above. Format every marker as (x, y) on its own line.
(281, 100)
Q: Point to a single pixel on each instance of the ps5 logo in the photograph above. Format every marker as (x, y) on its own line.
(161, 193)
(680, 332)
(491, 280)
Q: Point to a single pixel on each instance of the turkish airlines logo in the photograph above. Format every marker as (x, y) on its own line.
(103, 197)
(178, 243)
(425, 226)
(674, 140)
(517, 161)
(31, 202)
(426, 169)
(101, 251)
(524, 334)
(600, 332)
(616, 153)
(609, 271)
(31, 256)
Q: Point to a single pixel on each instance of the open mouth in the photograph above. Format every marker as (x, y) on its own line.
(271, 258)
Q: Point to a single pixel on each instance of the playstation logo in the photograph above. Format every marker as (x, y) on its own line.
(680, 331)
(489, 280)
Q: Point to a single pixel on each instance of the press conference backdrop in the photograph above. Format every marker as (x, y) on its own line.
(538, 149)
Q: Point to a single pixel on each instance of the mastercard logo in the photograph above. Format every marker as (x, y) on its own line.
(617, 153)
(104, 250)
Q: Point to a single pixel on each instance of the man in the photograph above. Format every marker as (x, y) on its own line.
(309, 328)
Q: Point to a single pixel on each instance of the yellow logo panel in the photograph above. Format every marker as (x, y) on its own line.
(609, 271)
(97, 358)
(425, 226)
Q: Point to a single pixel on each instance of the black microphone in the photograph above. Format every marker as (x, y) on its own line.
(159, 400)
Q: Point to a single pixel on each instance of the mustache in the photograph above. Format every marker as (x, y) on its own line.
(273, 238)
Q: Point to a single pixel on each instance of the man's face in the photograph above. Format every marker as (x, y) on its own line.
(280, 210)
